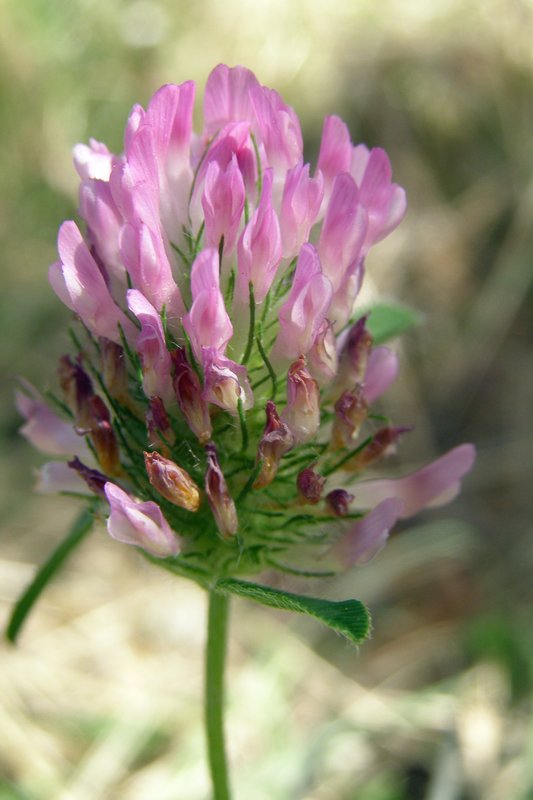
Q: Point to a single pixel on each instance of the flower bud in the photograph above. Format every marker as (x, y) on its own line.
(114, 373)
(157, 422)
(189, 396)
(302, 412)
(103, 436)
(172, 482)
(310, 485)
(350, 412)
(277, 440)
(77, 389)
(383, 444)
(339, 501)
(94, 479)
(219, 498)
(354, 355)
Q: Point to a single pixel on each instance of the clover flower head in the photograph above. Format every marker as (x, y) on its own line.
(219, 407)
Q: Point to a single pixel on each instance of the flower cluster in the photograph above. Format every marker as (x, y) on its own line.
(219, 403)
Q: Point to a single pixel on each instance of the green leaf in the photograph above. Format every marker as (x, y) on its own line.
(79, 530)
(387, 321)
(348, 617)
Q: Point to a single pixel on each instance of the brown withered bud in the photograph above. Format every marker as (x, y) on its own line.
(339, 501)
(310, 485)
(158, 424)
(351, 410)
(383, 444)
(98, 411)
(94, 479)
(189, 396)
(302, 412)
(277, 440)
(353, 357)
(219, 498)
(172, 482)
(77, 390)
(103, 436)
(114, 372)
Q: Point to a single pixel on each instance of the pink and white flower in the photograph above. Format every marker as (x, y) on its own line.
(183, 357)
(46, 430)
(152, 348)
(259, 248)
(393, 499)
(304, 311)
(207, 323)
(141, 524)
(79, 283)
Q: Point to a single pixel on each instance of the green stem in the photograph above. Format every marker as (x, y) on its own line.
(251, 329)
(217, 625)
(44, 575)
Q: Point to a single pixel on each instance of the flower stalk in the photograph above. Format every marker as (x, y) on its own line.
(215, 662)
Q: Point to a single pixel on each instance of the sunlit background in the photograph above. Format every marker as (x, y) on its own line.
(102, 698)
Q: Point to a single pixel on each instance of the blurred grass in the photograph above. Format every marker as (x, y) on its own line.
(436, 705)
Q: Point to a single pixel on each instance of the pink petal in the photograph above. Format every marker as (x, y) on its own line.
(225, 382)
(152, 349)
(93, 161)
(381, 372)
(104, 221)
(169, 113)
(279, 129)
(207, 322)
(47, 432)
(56, 476)
(335, 151)
(360, 156)
(433, 485)
(79, 283)
(45, 429)
(305, 309)
(384, 201)
(227, 97)
(142, 524)
(145, 258)
(343, 231)
(343, 300)
(259, 248)
(135, 120)
(233, 142)
(205, 272)
(158, 155)
(223, 204)
(300, 205)
(368, 536)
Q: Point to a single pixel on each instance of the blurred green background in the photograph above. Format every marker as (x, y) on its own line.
(102, 697)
